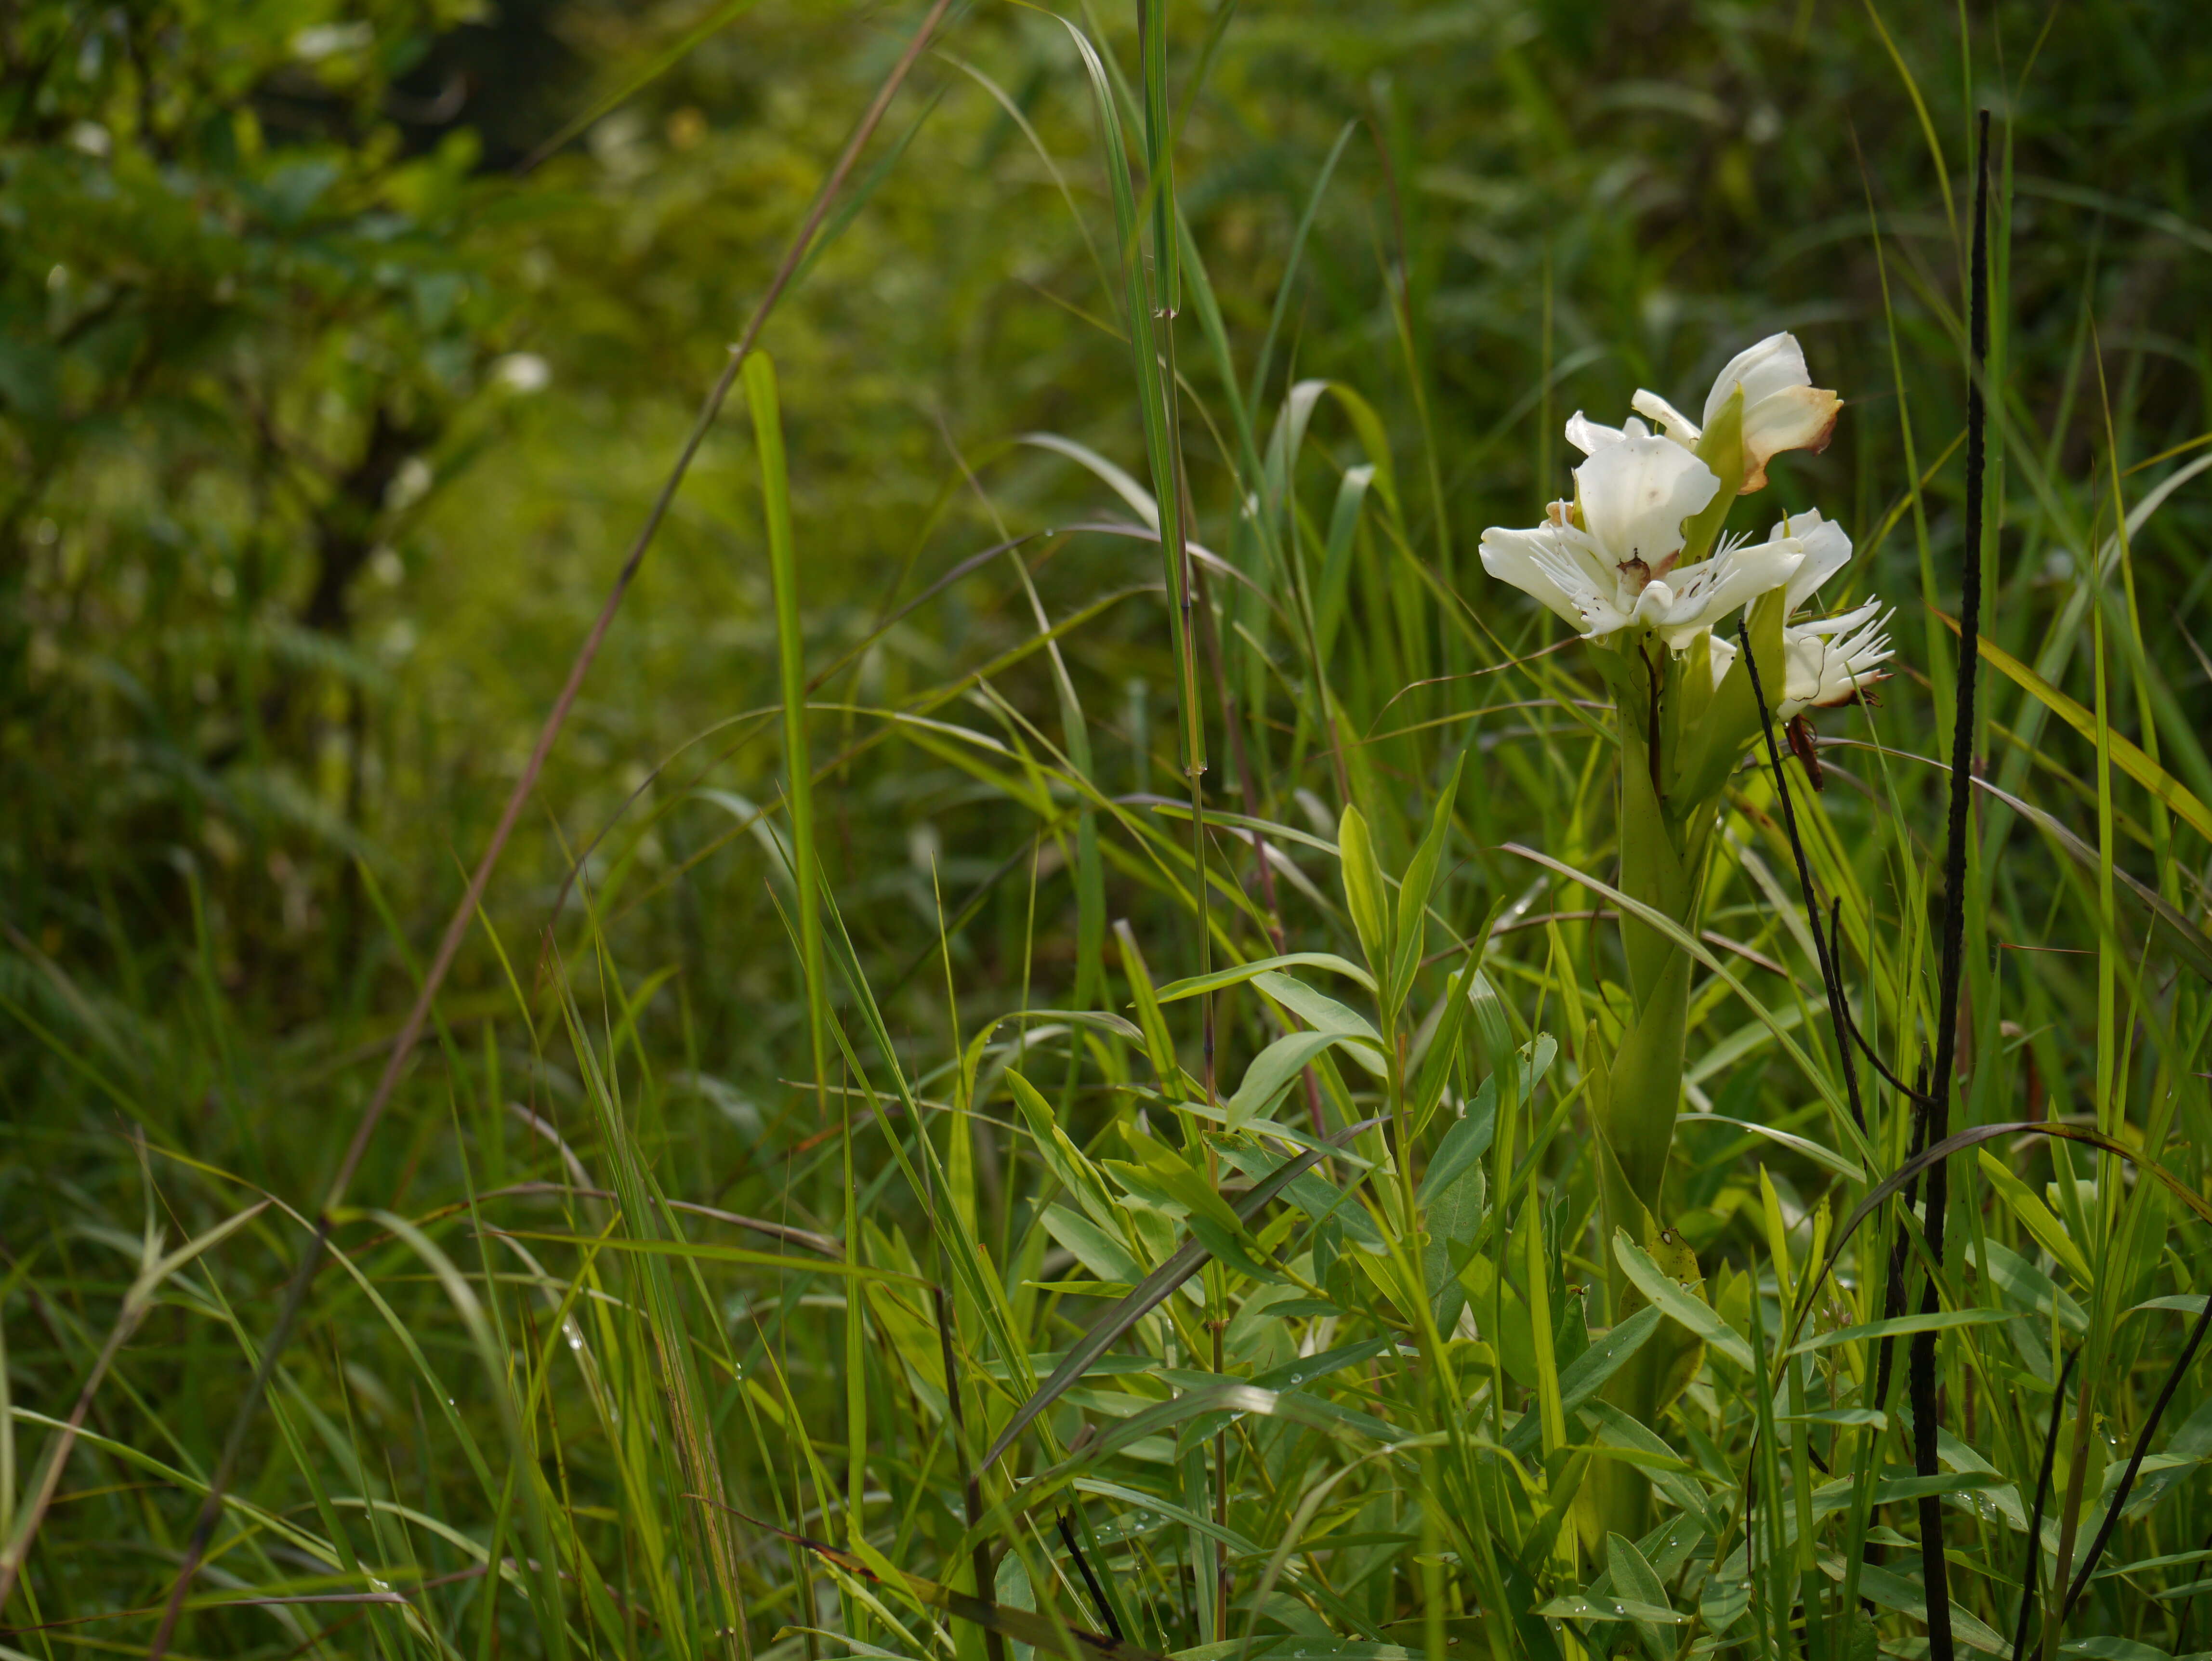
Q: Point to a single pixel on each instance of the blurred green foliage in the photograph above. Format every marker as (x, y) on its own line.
(332, 391)
(322, 433)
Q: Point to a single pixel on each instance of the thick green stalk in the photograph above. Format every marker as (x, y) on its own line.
(1679, 736)
(1662, 860)
(1635, 1115)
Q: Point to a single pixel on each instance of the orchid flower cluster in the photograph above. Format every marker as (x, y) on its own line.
(1635, 551)
(1638, 564)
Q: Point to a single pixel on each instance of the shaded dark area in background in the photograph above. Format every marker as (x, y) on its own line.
(512, 80)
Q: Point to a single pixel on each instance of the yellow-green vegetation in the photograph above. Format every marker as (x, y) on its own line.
(790, 868)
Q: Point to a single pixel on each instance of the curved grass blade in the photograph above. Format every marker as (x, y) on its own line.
(1909, 1171)
(2127, 756)
(1244, 972)
(2187, 941)
(2173, 1378)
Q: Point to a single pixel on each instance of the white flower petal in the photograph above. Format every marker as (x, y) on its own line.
(1829, 662)
(1827, 550)
(1841, 625)
(1595, 603)
(1522, 558)
(1774, 365)
(1654, 603)
(1783, 410)
(1676, 425)
(1735, 575)
(1795, 418)
(1635, 494)
(1590, 436)
(1724, 651)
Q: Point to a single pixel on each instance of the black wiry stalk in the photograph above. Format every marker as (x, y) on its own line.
(1911, 1092)
(1921, 1376)
(1826, 948)
(2027, 1569)
(2134, 1460)
(1097, 1592)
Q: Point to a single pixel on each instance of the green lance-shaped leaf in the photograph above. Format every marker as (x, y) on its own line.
(1274, 1068)
(1157, 1043)
(1420, 882)
(1588, 1373)
(1672, 1301)
(1236, 975)
(1362, 893)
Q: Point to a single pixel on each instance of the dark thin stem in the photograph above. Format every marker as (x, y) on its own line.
(465, 913)
(1919, 1099)
(1962, 723)
(1831, 970)
(2029, 1568)
(1097, 1592)
(1934, 1568)
(2135, 1459)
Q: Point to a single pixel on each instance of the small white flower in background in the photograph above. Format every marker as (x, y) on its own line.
(319, 40)
(1783, 410)
(1609, 560)
(410, 485)
(523, 372)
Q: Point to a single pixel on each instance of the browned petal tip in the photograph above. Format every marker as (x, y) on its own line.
(1821, 439)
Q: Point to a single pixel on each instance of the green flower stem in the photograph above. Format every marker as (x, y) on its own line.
(1681, 736)
(1662, 860)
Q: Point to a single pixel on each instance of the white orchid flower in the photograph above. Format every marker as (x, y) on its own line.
(1609, 561)
(1827, 550)
(1829, 660)
(1832, 661)
(1783, 410)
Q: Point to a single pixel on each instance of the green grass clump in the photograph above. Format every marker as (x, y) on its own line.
(1024, 1080)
